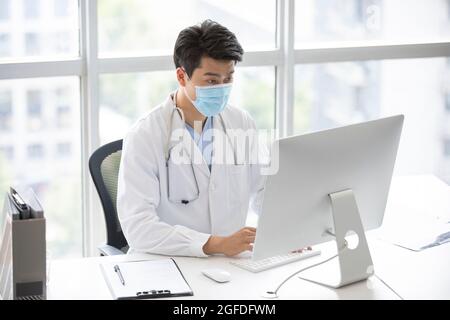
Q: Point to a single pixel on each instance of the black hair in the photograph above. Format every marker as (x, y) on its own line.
(206, 39)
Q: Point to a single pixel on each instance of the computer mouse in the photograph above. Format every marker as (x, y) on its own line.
(217, 275)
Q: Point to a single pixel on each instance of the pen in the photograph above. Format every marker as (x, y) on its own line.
(117, 270)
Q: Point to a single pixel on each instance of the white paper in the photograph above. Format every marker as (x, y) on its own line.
(417, 212)
(416, 235)
(145, 275)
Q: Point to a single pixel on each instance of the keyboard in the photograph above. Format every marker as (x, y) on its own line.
(272, 262)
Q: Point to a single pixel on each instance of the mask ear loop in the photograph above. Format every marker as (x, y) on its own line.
(184, 87)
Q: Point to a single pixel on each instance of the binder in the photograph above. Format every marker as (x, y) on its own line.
(145, 279)
(22, 248)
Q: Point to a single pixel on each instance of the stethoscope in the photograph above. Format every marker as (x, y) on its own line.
(168, 149)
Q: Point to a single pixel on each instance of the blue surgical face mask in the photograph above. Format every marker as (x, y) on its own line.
(211, 100)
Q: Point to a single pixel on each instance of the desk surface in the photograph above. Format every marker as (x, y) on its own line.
(413, 275)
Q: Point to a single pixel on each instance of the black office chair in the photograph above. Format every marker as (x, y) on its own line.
(104, 167)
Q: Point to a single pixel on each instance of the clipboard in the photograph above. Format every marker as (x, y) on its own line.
(145, 279)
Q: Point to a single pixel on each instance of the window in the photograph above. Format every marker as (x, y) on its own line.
(5, 45)
(335, 94)
(335, 21)
(47, 158)
(126, 97)
(63, 105)
(308, 65)
(34, 109)
(254, 91)
(35, 151)
(34, 100)
(62, 8)
(63, 116)
(32, 44)
(7, 153)
(447, 148)
(4, 9)
(61, 42)
(34, 31)
(153, 26)
(447, 101)
(5, 110)
(32, 9)
(64, 149)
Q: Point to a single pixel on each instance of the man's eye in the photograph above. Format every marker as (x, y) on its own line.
(211, 81)
(227, 80)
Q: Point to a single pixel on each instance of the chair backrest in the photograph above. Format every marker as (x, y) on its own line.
(104, 168)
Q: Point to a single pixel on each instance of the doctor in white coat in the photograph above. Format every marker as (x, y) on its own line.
(190, 208)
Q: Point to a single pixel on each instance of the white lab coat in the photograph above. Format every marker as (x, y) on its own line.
(153, 224)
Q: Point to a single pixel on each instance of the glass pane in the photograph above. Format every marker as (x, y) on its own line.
(126, 97)
(40, 147)
(37, 28)
(254, 90)
(334, 94)
(5, 7)
(151, 26)
(375, 20)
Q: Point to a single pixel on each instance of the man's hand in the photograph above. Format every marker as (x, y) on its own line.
(234, 244)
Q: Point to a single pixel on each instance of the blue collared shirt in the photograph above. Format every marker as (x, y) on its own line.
(203, 140)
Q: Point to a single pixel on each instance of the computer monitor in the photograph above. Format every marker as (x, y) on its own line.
(330, 183)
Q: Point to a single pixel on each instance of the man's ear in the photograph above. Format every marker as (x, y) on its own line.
(181, 77)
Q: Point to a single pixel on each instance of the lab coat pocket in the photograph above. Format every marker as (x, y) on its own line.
(182, 183)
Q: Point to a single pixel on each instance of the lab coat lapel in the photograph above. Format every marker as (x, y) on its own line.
(195, 153)
(189, 146)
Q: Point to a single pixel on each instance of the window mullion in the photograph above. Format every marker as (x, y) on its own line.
(280, 70)
(290, 64)
(367, 52)
(285, 71)
(39, 69)
(90, 120)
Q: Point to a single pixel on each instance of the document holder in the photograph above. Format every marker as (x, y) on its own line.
(22, 250)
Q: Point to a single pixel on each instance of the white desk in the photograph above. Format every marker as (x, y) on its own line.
(413, 275)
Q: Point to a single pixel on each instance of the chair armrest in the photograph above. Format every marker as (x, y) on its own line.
(107, 250)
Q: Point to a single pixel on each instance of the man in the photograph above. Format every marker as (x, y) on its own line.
(193, 208)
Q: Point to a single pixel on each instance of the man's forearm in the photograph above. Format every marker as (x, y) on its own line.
(213, 245)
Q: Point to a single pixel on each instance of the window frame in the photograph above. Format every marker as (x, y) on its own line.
(88, 66)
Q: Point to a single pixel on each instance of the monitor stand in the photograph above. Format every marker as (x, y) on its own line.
(353, 264)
